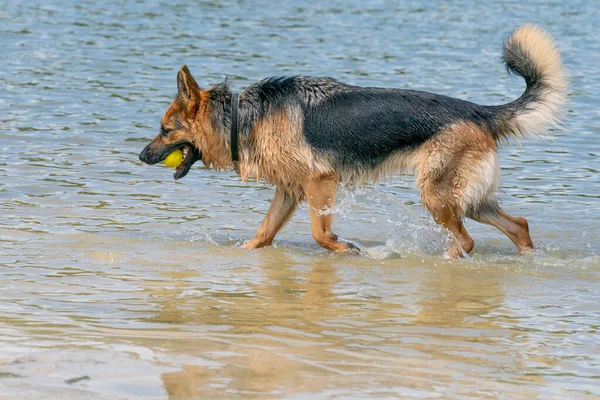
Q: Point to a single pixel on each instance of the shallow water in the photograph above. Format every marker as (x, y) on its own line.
(113, 273)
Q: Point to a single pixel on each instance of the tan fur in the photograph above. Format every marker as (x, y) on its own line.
(457, 168)
(277, 152)
(454, 173)
(515, 228)
(320, 194)
(280, 211)
(458, 175)
(542, 51)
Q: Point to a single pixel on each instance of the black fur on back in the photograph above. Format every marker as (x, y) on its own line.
(353, 125)
(365, 125)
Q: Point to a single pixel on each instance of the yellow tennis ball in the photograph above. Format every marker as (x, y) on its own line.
(174, 159)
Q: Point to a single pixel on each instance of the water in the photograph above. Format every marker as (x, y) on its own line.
(113, 273)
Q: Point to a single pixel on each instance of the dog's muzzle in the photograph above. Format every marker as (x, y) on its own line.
(144, 155)
(153, 155)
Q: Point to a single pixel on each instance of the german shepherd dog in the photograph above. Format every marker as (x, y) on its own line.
(307, 135)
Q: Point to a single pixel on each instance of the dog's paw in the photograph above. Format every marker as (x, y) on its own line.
(455, 253)
(251, 244)
(354, 249)
(256, 243)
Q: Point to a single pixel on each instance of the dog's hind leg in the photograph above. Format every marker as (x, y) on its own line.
(280, 211)
(320, 194)
(516, 228)
(439, 196)
(449, 216)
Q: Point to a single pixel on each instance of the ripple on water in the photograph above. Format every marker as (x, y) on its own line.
(111, 271)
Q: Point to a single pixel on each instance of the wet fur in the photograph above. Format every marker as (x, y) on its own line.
(305, 135)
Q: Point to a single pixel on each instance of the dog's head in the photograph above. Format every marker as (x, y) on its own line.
(182, 126)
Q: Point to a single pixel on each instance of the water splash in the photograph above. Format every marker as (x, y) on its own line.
(403, 231)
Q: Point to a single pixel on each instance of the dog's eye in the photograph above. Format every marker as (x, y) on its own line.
(165, 131)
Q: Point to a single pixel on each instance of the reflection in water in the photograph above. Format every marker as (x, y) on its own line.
(299, 331)
(214, 319)
(282, 313)
(453, 298)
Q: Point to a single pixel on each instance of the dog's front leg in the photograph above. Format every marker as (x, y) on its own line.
(320, 193)
(282, 207)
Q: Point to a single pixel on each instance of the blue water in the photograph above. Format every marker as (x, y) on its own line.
(110, 269)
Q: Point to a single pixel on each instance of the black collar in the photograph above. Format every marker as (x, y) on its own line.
(235, 157)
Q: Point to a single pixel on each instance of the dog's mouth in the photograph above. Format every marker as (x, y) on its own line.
(190, 156)
(154, 154)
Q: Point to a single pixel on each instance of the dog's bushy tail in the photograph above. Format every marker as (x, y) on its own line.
(532, 54)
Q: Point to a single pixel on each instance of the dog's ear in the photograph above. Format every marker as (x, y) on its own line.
(186, 84)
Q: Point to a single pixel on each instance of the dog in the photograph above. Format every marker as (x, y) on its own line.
(306, 135)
